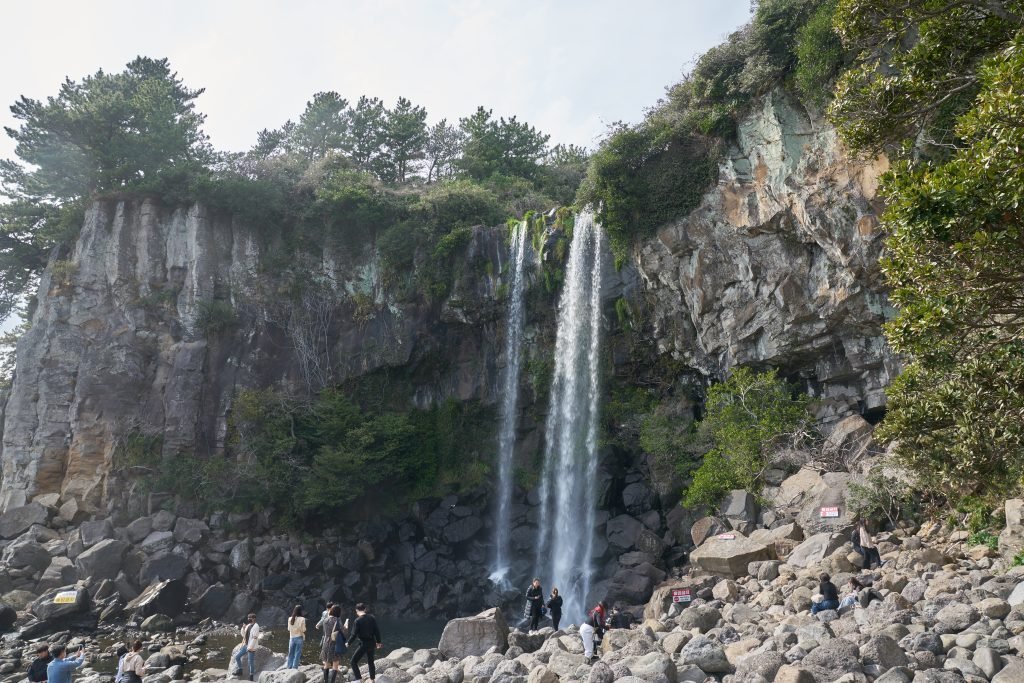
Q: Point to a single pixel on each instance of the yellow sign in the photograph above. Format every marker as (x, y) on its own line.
(65, 598)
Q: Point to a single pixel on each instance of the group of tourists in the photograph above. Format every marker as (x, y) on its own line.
(592, 630)
(338, 635)
(53, 665)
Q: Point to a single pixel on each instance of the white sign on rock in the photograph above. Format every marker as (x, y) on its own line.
(65, 598)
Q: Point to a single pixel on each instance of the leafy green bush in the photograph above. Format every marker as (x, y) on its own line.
(883, 496)
(215, 316)
(820, 55)
(645, 175)
(748, 418)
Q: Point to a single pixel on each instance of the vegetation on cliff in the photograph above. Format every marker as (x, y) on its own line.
(351, 173)
(646, 174)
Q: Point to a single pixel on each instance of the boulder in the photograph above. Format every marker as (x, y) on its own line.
(92, 533)
(157, 542)
(815, 549)
(637, 498)
(833, 659)
(8, 615)
(161, 597)
(705, 527)
(138, 529)
(623, 531)
(740, 509)
(468, 636)
(284, 676)
(728, 556)
(633, 585)
(241, 556)
(705, 653)
(164, 520)
(191, 531)
(102, 561)
(47, 610)
(26, 554)
(157, 623)
(848, 438)
(164, 565)
(60, 572)
(215, 601)
(17, 521)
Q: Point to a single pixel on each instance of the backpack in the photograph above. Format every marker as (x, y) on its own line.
(338, 638)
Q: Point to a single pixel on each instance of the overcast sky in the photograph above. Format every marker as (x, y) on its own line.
(567, 67)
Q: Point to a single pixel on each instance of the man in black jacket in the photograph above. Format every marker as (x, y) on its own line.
(368, 633)
(37, 672)
(535, 599)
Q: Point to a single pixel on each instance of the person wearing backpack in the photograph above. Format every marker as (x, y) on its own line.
(297, 636)
(333, 645)
(37, 671)
(133, 668)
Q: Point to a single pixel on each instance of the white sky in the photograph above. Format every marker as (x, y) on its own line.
(567, 67)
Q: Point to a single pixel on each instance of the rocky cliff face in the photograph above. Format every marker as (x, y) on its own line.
(158, 316)
(778, 266)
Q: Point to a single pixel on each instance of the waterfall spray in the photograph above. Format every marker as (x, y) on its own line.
(509, 406)
(568, 495)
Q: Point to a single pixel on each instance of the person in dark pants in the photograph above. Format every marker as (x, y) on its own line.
(829, 595)
(37, 671)
(535, 598)
(555, 607)
(368, 633)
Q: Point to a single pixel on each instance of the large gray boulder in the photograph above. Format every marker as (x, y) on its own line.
(623, 531)
(469, 636)
(191, 531)
(17, 521)
(740, 509)
(92, 533)
(102, 561)
(729, 556)
(634, 585)
(164, 565)
(26, 554)
(815, 549)
(215, 601)
(707, 654)
(46, 609)
(161, 597)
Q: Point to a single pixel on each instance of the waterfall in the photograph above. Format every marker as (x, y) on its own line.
(568, 495)
(509, 406)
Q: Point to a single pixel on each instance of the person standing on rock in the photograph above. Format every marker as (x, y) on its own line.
(871, 557)
(59, 670)
(297, 636)
(555, 607)
(368, 633)
(37, 671)
(535, 599)
(250, 641)
(592, 629)
(323, 617)
(329, 645)
(133, 667)
(829, 595)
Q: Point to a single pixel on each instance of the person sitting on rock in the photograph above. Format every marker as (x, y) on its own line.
(535, 599)
(59, 670)
(829, 595)
(851, 598)
(620, 618)
(250, 641)
(37, 671)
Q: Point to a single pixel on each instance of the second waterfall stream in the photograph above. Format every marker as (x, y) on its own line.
(568, 488)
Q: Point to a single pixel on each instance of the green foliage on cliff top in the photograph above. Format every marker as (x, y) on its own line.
(647, 174)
